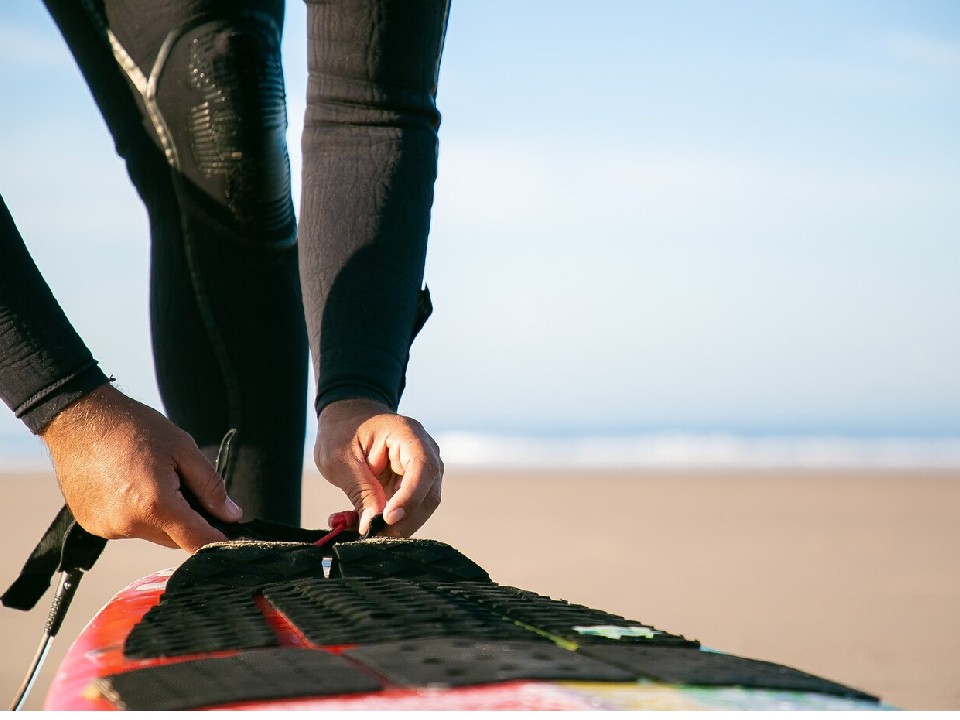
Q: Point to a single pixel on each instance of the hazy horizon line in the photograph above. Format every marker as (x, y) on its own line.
(653, 450)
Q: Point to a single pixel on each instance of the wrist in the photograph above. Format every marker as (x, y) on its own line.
(88, 408)
(355, 406)
(353, 391)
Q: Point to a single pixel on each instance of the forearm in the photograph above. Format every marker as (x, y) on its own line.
(370, 160)
(44, 365)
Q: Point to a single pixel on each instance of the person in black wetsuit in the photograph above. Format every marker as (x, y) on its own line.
(192, 92)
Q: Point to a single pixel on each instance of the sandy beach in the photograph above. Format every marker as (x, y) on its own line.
(853, 575)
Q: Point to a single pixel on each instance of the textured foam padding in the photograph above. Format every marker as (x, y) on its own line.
(209, 603)
(247, 564)
(368, 610)
(407, 559)
(206, 621)
(559, 618)
(696, 667)
(257, 675)
(447, 662)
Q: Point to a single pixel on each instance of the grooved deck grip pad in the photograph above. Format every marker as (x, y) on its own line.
(450, 662)
(696, 667)
(374, 610)
(418, 560)
(208, 604)
(247, 564)
(209, 601)
(208, 621)
(558, 618)
(256, 675)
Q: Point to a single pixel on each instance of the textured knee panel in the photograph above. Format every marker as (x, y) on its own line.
(220, 96)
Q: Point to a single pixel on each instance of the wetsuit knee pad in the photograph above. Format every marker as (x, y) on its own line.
(220, 105)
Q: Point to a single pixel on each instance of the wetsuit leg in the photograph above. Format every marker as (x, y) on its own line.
(369, 165)
(193, 94)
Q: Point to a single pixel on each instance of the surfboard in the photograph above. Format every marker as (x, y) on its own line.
(394, 624)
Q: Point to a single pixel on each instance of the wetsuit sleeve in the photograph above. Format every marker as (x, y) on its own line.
(369, 165)
(44, 365)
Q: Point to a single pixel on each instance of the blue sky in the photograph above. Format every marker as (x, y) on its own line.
(693, 216)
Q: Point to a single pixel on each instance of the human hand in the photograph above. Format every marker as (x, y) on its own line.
(384, 462)
(121, 464)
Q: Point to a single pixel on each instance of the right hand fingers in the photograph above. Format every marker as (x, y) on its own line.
(200, 479)
(182, 524)
(187, 530)
(167, 518)
(121, 467)
(161, 516)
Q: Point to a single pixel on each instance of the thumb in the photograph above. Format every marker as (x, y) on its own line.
(363, 489)
(199, 477)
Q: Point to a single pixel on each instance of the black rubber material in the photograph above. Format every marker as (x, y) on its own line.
(250, 565)
(256, 675)
(377, 526)
(418, 560)
(417, 630)
(356, 611)
(450, 662)
(697, 667)
(209, 602)
(555, 617)
(200, 622)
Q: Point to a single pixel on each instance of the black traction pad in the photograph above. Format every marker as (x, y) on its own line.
(418, 560)
(559, 618)
(247, 564)
(255, 675)
(441, 623)
(697, 667)
(374, 610)
(209, 621)
(208, 604)
(450, 662)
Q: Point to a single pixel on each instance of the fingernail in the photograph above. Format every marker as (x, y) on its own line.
(395, 516)
(365, 518)
(233, 509)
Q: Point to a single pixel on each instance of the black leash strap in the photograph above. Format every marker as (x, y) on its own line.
(64, 547)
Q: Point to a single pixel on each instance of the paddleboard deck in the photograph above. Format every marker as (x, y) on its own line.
(396, 625)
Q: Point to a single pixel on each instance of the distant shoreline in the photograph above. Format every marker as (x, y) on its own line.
(653, 451)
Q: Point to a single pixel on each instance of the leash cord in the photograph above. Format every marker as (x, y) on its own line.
(67, 588)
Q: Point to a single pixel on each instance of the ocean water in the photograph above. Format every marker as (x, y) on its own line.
(708, 451)
(21, 453)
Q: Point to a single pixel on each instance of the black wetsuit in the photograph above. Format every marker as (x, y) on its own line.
(192, 92)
